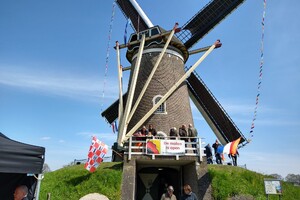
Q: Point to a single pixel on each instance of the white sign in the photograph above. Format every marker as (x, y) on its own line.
(273, 186)
(165, 147)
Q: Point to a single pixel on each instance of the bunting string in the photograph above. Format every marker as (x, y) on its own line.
(107, 51)
(260, 72)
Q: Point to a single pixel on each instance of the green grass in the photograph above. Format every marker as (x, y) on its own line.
(227, 181)
(74, 182)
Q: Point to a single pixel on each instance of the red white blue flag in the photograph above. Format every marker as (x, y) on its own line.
(229, 148)
(96, 154)
(114, 126)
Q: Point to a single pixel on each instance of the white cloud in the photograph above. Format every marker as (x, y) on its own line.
(243, 114)
(269, 163)
(109, 138)
(45, 138)
(62, 84)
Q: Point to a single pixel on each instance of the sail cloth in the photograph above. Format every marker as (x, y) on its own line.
(96, 154)
(229, 148)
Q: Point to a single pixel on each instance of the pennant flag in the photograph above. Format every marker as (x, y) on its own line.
(96, 154)
(113, 127)
(116, 126)
(125, 33)
(231, 147)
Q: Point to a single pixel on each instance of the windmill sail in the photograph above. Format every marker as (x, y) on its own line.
(217, 118)
(111, 113)
(131, 10)
(205, 20)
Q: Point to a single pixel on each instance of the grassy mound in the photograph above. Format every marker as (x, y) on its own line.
(228, 182)
(75, 182)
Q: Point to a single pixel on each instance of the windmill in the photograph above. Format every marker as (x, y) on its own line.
(161, 55)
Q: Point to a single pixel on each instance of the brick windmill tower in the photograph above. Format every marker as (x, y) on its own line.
(155, 95)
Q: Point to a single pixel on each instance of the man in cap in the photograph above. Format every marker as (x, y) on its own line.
(217, 154)
(169, 194)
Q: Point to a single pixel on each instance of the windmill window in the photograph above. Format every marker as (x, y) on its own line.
(133, 38)
(154, 31)
(162, 108)
(146, 33)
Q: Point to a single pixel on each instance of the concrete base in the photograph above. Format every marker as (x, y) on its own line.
(188, 170)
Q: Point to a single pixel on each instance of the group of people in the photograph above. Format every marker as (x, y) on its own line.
(218, 155)
(187, 195)
(151, 131)
(187, 134)
(184, 133)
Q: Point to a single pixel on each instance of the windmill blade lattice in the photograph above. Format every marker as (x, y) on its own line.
(205, 20)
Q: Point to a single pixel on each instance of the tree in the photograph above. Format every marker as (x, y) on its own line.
(277, 176)
(46, 168)
(293, 178)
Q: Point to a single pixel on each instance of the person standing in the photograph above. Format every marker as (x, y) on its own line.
(21, 193)
(140, 137)
(143, 131)
(173, 133)
(151, 130)
(192, 132)
(208, 152)
(217, 154)
(183, 133)
(188, 193)
(234, 158)
(169, 194)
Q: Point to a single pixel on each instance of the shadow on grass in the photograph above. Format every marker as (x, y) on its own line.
(115, 167)
(204, 183)
(78, 180)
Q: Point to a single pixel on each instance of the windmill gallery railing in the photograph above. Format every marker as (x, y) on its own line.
(155, 146)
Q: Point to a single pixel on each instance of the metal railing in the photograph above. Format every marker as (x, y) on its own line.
(137, 146)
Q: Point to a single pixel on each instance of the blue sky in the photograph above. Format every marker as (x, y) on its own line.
(53, 85)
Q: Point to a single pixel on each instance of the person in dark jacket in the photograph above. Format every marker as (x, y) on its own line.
(217, 154)
(234, 158)
(208, 152)
(173, 133)
(188, 194)
(151, 130)
(193, 133)
(183, 133)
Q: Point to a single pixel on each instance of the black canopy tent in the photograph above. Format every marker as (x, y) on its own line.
(20, 164)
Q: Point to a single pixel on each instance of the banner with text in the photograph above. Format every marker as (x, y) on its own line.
(165, 147)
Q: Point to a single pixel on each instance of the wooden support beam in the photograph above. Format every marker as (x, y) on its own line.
(120, 111)
(172, 89)
(152, 73)
(123, 125)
